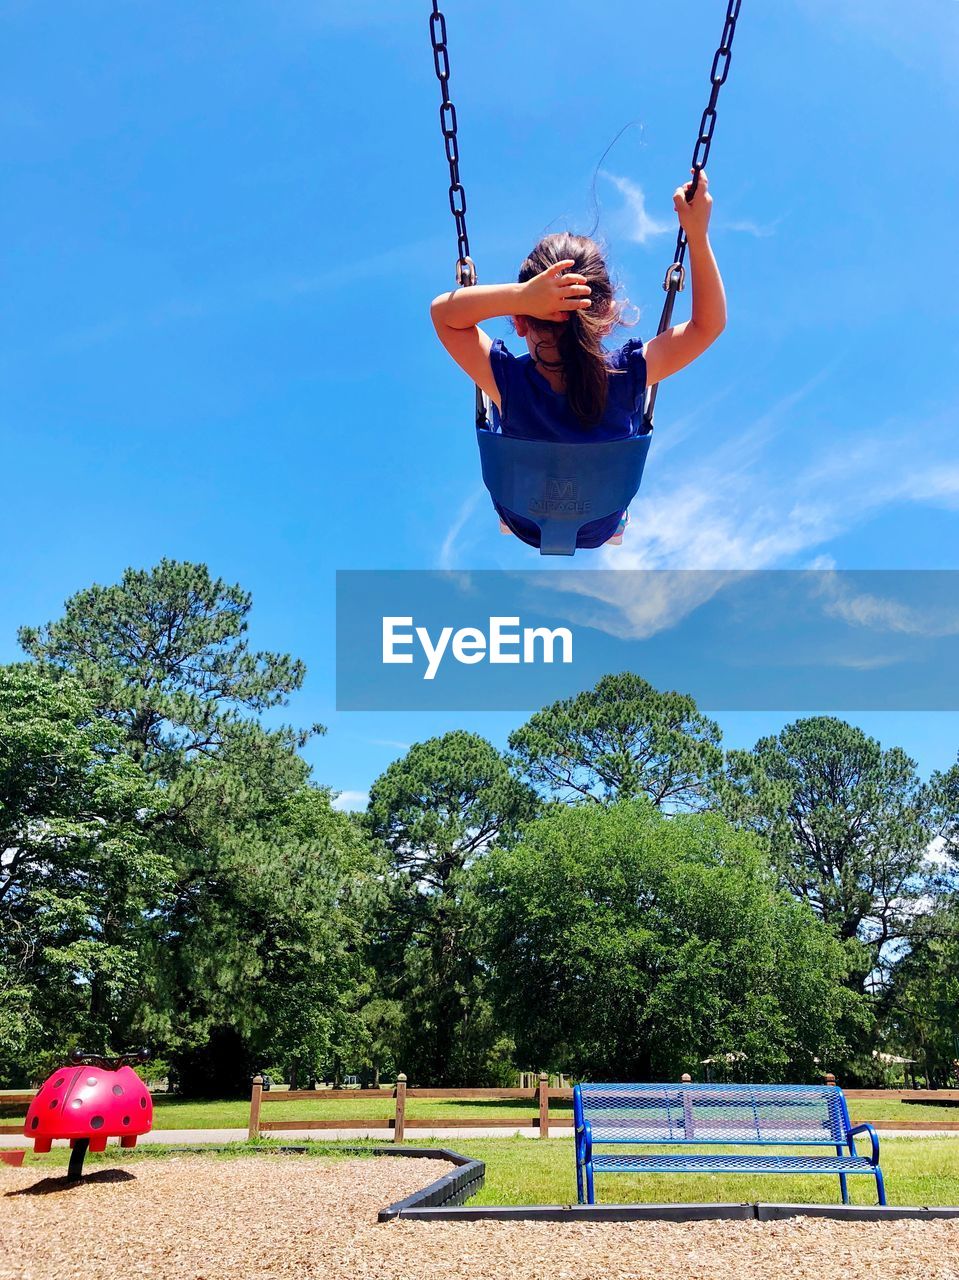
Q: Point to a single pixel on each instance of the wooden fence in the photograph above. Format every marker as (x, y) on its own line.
(398, 1122)
(397, 1098)
(395, 1118)
(15, 1100)
(932, 1097)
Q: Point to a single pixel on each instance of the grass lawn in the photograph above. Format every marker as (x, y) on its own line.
(176, 1113)
(873, 1109)
(918, 1171)
(923, 1171)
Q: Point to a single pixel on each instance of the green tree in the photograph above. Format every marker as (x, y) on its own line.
(164, 655)
(944, 790)
(921, 1004)
(848, 824)
(630, 945)
(261, 959)
(78, 873)
(619, 740)
(435, 812)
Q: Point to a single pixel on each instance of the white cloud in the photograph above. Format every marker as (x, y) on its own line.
(278, 289)
(638, 224)
(851, 662)
(635, 222)
(737, 509)
(923, 34)
(878, 613)
(609, 602)
(734, 509)
(446, 557)
(724, 510)
(286, 288)
(761, 231)
(350, 800)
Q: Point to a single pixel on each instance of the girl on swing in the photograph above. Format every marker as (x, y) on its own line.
(569, 387)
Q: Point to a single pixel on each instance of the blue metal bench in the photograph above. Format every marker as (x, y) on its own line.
(709, 1115)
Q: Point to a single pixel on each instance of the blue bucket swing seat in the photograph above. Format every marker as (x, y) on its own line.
(560, 487)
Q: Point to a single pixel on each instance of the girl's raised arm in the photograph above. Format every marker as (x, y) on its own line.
(457, 315)
(680, 345)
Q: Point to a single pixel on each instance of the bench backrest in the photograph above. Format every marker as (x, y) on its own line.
(751, 1114)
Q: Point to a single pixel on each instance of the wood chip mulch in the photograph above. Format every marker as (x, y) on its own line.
(274, 1217)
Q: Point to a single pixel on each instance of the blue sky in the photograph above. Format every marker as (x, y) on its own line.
(222, 225)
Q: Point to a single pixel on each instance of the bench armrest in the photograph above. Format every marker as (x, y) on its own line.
(873, 1137)
(584, 1142)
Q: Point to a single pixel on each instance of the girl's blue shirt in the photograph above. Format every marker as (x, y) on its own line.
(532, 410)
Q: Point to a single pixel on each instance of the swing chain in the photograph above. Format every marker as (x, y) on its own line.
(465, 269)
(707, 125)
(675, 280)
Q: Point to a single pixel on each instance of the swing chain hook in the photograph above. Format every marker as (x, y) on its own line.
(675, 278)
(465, 270)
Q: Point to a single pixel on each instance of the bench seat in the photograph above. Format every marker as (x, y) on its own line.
(715, 1163)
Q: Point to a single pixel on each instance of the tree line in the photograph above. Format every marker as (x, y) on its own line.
(615, 895)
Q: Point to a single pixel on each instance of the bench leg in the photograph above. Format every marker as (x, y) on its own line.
(880, 1185)
(590, 1192)
(579, 1182)
(842, 1177)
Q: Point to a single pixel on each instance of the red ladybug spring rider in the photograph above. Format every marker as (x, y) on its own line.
(92, 1099)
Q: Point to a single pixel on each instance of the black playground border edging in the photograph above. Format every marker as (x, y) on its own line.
(443, 1195)
(443, 1201)
(668, 1212)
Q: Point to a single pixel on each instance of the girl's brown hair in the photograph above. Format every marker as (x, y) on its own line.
(579, 338)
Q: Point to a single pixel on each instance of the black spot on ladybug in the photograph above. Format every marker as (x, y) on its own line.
(35, 1122)
(58, 1083)
(96, 1122)
(126, 1119)
(143, 1103)
(91, 1079)
(118, 1090)
(53, 1105)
